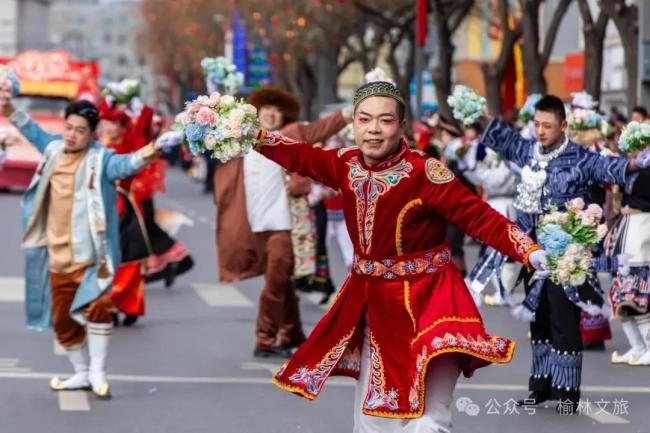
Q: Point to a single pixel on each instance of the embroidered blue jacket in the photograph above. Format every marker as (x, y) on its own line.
(571, 175)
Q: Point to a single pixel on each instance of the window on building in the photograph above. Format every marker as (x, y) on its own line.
(122, 40)
(107, 38)
(122, 60)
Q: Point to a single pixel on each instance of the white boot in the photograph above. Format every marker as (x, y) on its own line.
(98, 337)
(631, 331)
(79, 380)
(644, 328)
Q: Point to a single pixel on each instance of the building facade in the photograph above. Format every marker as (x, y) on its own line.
(23, 26)
(108, 32)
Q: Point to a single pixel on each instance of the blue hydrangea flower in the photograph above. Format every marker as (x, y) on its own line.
(554, 239)
(195, 132)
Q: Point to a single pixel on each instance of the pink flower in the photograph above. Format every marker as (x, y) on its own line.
(573, 249)
(193, 109)
(206, 116)
(575, 205)
(213, 101)
(182, 118)
(203, 100)
(601, 231)
(595, 211)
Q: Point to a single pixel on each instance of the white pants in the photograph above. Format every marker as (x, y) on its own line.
(442, 374)
(336, 230)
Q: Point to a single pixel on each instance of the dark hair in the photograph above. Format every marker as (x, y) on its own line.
(552, 104)
(641, 110)
(476, 127)
(84, 109)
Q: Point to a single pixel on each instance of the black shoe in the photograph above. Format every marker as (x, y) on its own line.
(326, 298)
(272, 352)
(567, 407)
(303, 284)
(596, 346)
(129, 320)
(535, 398)
(325, 287)
(116, 320)
(170, 274)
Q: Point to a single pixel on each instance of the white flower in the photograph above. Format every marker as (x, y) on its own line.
(601, 231)
(227, 101)
(210, 141)
(183, 118)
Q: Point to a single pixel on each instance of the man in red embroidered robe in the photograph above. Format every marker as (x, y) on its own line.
(404, 318)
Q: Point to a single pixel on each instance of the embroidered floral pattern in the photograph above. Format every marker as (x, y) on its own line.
(377, 397)
(275, 139)
(345, 150)
(368, 186)
(414, 393)
(391, 269)
(313, 380)
(522, 242)
(437, 172)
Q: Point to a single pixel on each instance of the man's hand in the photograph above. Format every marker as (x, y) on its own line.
(642, 160)
(623, 264)
(6, 106)
(168, 139)
(537, 261)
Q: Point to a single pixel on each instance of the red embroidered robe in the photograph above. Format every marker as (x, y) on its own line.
(403, 284)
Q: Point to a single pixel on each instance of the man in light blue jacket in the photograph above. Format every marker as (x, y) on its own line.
(71, 237)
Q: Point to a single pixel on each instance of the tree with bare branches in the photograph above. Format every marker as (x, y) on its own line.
(494, 72)
(625, 16)
(594, 31)
(448, 16)
(536, 54)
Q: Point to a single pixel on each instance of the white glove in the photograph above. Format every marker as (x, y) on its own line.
(3, 157)
(537, 261)
(211, 86)
(169, 139)
(135, 106)
(623, 264)
(643, 159)
(110, 101)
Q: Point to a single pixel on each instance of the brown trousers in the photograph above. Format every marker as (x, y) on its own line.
(69, 333)
(278, 318)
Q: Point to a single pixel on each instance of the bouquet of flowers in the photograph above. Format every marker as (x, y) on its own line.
(583, 119)
(468, 106)
(568, 237)
(122, 92)
(220, 72)
(635, 137)
(527, 112)
(220, 124)
(8, 82)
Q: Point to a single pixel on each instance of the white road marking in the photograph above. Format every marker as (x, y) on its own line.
(73, 401)
(607, 418)
(337, 381)
(221, 295)
(12, 289)
(267, 366)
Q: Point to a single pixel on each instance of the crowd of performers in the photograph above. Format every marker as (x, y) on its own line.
(398, 212)
(517, 170)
